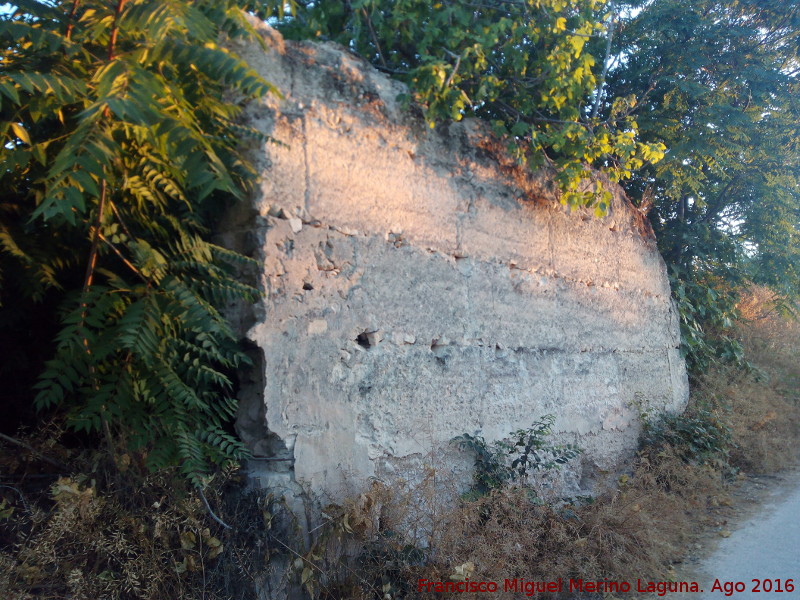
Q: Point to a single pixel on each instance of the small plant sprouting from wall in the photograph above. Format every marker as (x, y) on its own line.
(513, 460)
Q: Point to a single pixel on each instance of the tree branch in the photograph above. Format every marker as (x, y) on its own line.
(374, 37)
(211, 512)
(125, 261)
(72, 13)
(92, 262)
(115, 29)
(33, 451)
(601, 83)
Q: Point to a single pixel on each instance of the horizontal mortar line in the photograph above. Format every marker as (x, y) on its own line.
(503, 262)
(540, 349)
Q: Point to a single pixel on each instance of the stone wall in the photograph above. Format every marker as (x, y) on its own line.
(419, 286)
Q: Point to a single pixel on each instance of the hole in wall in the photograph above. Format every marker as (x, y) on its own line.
(441, 349)
(308, 286)
(362, 339)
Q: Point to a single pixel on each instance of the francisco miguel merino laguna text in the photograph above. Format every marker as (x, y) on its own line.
(531, 588)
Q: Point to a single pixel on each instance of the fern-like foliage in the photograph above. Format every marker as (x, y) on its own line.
(118, 140)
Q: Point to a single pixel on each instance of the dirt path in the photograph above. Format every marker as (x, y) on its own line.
(757, 539)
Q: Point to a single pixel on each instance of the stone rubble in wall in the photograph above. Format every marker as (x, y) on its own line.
(396, 239)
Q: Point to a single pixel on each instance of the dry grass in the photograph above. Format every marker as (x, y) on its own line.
(100, 530)
(764, 419)
(635, 529)
(763, 406)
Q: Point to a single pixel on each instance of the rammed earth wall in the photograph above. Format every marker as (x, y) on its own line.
(419, 286)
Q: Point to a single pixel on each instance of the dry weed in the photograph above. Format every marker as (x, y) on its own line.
(632, 530)
(383, 542)
(770, 334)
(102, 532)
(764, 419)
(763, 405)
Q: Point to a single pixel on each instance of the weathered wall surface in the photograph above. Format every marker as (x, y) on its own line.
(418, 288)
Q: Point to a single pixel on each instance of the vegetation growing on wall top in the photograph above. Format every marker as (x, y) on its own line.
(527, 67)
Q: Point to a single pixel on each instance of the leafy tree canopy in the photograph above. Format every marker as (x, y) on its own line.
(119, 140)
(720, 82)
(525, 66)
